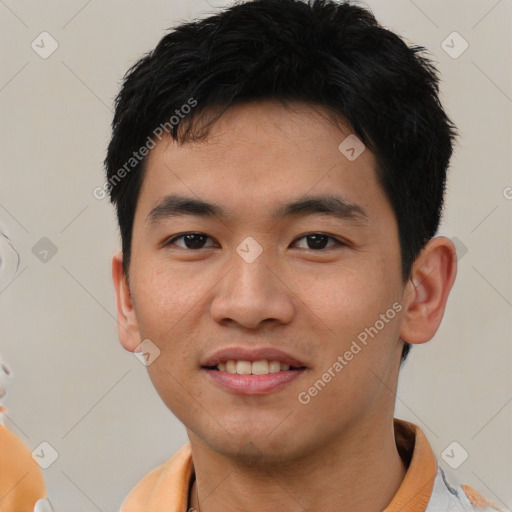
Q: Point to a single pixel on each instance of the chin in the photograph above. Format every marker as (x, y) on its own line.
(255, 448)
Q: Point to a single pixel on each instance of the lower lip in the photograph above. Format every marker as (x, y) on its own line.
(253, 384)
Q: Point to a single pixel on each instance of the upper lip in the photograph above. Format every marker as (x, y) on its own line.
(252, 354)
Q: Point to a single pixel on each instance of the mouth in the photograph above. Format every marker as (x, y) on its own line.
(243, 370)
(261, 367)
(258, 377)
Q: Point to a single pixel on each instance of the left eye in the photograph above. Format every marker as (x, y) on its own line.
(318, 241)
(315, 241)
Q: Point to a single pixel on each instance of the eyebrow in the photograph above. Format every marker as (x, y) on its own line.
(331, 205)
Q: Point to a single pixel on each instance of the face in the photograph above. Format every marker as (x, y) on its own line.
(314, 285)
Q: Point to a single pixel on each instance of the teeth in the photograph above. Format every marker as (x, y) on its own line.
(259, 367)
(262, 367)
(243, 367)
(274, 366)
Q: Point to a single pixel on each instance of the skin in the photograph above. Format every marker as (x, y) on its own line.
(272, 452)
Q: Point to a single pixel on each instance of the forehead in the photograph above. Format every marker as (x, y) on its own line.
(260, 155)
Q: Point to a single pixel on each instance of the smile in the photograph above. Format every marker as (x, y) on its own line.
(256, 378)
(262, 367)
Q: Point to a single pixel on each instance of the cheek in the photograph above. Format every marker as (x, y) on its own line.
(359, 324)
(163, 298)
(348, 300)
(166, 306)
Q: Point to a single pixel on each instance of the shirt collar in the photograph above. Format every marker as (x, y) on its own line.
(166, 488)
(416, 489)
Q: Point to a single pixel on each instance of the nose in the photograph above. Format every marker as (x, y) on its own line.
(253, 293)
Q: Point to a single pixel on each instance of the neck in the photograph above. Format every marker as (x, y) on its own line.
(363, 471)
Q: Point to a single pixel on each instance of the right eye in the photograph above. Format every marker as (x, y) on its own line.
(192, 241)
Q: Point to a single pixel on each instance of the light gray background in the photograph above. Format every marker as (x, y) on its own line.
(76, 388)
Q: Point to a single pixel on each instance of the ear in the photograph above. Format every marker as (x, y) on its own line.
(427, 290)
(127, 327)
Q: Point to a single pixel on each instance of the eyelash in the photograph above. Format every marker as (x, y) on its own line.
(337, 242)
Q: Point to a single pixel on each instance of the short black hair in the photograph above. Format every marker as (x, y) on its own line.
(318, 52)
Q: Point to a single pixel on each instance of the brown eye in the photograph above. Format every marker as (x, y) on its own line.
(190, 240)
(318, 241)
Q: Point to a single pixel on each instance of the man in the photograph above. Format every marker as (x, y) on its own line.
(278, 171)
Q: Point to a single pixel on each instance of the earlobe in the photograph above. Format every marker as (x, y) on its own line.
(427, 290)
(127, 326)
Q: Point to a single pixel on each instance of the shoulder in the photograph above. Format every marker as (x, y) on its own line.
(143, 489)
(21, 479)
(167, 482)
(13, 449)
(457, 497)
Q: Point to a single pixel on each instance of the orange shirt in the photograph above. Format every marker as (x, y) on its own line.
(424, 488)
(21, 480)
